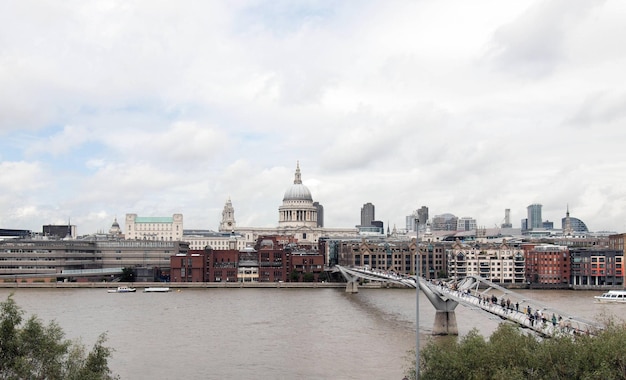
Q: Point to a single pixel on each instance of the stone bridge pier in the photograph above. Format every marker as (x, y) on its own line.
(445, 317)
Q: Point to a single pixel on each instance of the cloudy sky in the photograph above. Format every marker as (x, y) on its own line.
(161, 107)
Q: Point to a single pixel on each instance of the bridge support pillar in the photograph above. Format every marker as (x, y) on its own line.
(445, 323)
(352, 287)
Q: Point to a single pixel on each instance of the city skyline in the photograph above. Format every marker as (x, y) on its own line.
(467, 108)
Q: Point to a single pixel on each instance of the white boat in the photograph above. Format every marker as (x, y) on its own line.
(122, 289)
(616, 296)
(156, 290)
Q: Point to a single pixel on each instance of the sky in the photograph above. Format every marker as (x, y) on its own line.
(162, 107)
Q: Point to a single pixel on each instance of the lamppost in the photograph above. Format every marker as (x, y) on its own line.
(417, 301)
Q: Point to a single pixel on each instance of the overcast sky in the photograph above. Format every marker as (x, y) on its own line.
(162, 107)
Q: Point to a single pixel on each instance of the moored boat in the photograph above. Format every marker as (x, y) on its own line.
(612, 296)
(122, 289)
(156, 290)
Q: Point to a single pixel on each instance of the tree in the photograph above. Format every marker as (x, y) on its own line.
(294, 276)
(128, 275)
(36, 351)
(323, 276)
(510, 353)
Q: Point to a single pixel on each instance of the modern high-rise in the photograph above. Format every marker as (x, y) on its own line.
(411, 221)
(320, 214)
(507, 219)
(60, 231)
(534, 216)
(466, 224)
(444, 222)
(417, 220)
(422, 215)
(367, 214)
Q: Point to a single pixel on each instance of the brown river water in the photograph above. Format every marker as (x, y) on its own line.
(265, 333)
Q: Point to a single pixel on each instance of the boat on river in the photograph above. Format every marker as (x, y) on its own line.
(156, 290)
(612, 296)
(122, 289)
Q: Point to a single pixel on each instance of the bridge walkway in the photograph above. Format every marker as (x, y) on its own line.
(480, 294)
(516, 308)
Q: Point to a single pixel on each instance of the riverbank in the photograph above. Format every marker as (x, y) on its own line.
(181, 285)
(248, 285)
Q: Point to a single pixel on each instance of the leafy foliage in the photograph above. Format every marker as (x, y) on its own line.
(511, 353)
(128, 275)
(37, 351)
(294, 276)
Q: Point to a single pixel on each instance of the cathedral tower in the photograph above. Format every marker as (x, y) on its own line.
(228, 218)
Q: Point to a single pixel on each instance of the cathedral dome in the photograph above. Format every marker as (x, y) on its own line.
(297, 191)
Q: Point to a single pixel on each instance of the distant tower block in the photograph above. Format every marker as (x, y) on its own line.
(507, 219)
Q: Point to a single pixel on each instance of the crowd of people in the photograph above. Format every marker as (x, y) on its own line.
(534, 317)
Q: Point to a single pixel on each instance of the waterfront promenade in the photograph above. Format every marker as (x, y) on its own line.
(181, 285)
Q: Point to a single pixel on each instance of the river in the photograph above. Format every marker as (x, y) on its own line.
(264, 333)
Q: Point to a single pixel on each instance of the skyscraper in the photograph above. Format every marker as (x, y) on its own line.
(320, 214)
(417, 219)
(367, 214)
(534, 216)
(422, 214)
(507, 219)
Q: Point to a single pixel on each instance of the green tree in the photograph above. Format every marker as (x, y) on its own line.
(128, 275)
(308, 277)
(323, 276)
(36, 351)
(510, 353)
(294, 276)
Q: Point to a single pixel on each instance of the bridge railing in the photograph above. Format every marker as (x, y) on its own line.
(493, 299)
(506, 304)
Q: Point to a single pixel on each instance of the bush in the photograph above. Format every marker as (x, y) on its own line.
(511, 353)
(36, 351)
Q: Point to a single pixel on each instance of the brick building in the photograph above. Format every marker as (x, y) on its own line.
(308, 267)
(272, 259)
(596, 267)
(547, 265)
(190, 267)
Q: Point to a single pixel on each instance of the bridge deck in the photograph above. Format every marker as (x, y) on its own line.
(480, 294)
(523, 311)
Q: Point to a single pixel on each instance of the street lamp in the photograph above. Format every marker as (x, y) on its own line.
(417, 302)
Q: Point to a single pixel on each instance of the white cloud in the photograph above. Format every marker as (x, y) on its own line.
(156, 108)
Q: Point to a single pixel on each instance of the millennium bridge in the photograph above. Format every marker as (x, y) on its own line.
(478, 294)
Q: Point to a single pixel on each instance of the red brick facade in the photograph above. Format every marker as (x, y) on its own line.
(188, 268)
(547, 265)
(271, 260)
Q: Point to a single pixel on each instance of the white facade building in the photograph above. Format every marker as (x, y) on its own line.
(499, 263)
(199, 240)
(154, 228)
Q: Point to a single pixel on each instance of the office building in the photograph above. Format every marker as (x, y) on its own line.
(466, 224)
(534, 216)
(367, 214)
